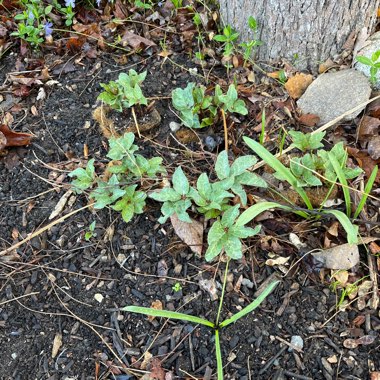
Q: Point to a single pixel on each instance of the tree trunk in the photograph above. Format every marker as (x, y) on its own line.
(311, 30)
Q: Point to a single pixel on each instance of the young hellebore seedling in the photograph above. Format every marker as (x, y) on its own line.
(198, 110)
(301, 173)
(126, 168)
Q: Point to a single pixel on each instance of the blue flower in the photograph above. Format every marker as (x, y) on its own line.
(70, 3)
(31, 16)
(48, 29)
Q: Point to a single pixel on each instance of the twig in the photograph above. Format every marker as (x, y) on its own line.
(17, 298)
(41, 230)
(225, 130)
(373, 275)
(136, 123)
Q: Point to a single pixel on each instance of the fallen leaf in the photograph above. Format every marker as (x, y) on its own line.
(147, 357)
(323, 67)
(274, 74)
(210, 287)
(343, 256)
(309, 119)
(363, 289)
(298, 84)
(3, 141)
(156, 305)
(57, 344)
(60, 205)
(162, 268)
(374, 109)
(136, 41)
(277, 260)
(156, 371)
(190, 233)
(369, 127)
(363, 340)
(14, 138)
(374, 147)
(341, 276)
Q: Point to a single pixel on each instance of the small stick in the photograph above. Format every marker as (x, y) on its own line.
(374, 303)
(136, 123)
(41, 230)
(225, 130)
(323, 128)
(17, 298)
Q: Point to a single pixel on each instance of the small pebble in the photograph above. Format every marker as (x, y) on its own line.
(174, 126)
(296, 341)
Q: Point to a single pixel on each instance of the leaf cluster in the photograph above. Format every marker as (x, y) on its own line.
(198, 110)
(373, 64)
(213, 199)
(125, 92)
(120, 191)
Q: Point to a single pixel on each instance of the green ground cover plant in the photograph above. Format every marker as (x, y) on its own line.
(199, 110)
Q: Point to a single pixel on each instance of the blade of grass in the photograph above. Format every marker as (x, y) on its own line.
(275, 164)
(218, 353)
(367, 190)
(351, 230)
(251, 212)
(252, 306)
(342, 179)
(263, 123)
(167, 314)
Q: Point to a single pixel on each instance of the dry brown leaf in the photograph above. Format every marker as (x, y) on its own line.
(363, 289)
(375, 375)
(341, 276)
(277, 260)
(190, 233)
(323, 67)
(3, 141)
(369, 127)
(374, 147)
(363, 340)
(135, 41)
(14, 138)
(298, 84)
(57, 344)
(309, 119)
(274, 75)
(343, 256)
(157, 305)
(210, 287)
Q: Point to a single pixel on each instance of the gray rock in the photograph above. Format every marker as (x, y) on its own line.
(296, 341)
(333, 94)
(371, 45)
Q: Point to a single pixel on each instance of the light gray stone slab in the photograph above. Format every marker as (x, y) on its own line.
(333, 94)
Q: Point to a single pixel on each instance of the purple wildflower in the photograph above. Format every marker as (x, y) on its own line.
(48, 29)
(70, 3)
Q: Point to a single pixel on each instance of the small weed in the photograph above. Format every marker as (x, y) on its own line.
(249, 47)
(125, 92)
(90, 232)
(228, 39)
(373, 64)
(177, 287)
(177, 3)
(198, 110)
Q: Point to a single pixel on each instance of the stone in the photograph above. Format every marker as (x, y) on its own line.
(333, 94)
(370, 46)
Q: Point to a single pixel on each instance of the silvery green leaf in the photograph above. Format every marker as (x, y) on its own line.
(250, 179)
(241, 164)
(180, 182)
(222, 167)
(238, 190)
(233, 248)
(230, 215)
(204, 186)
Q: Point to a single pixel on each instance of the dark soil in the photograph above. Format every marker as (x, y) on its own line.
(51, 286)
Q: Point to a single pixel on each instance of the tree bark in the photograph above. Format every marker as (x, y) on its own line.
(314, 30)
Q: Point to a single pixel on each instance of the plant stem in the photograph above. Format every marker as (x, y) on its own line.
(222, 296)
(136, 123)
(218, 353)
